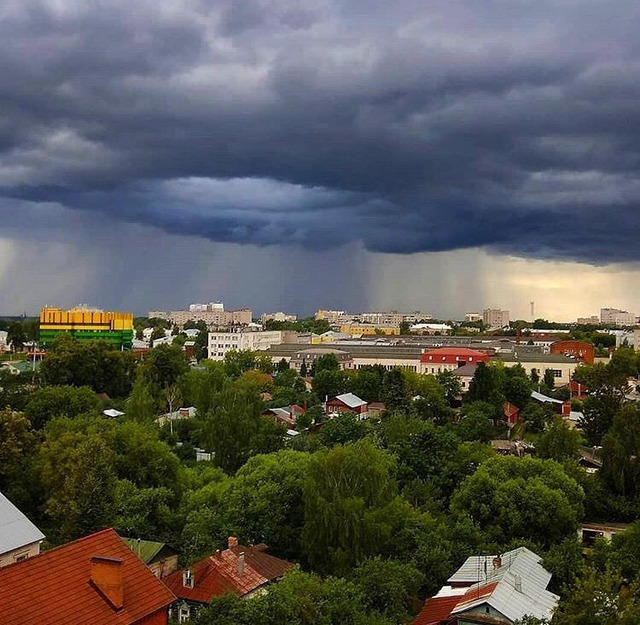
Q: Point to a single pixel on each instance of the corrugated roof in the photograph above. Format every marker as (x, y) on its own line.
(351, 400)
(544, 398)
(54, 588)
(146, 550)
(436, 609)
(15, 528)
(497, 586)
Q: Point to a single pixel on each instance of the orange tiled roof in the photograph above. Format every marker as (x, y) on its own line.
(54, 587)
(218, 574)
(436, 610)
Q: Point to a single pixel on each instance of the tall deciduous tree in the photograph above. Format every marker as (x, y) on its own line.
(351, 506)
(521, 498)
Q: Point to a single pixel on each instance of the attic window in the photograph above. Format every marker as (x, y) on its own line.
(187, 579)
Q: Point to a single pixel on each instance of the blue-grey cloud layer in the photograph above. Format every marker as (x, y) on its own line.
(410, 126)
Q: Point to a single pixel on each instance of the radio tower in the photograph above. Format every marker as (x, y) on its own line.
(532, 313)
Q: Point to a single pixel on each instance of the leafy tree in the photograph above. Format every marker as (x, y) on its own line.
(140, 404)
(405, 327)
(298, 599)
(517, 388)
(388, 587)
(486, 385)
(342, 429)
(536, 417)
(16, 441)
(621, 453)
(59, 401)
(521, 498)
(329, 383)
(89, 363)
(565, 562)
(264, 502)
(327, 362)
(77, 473)
(144, 512)
(234, 429)
(598, 599)
(157, 333)
(236, 362)
(163, 365)
(351, 506)
(548, 380)
(451, 385)
(394, 390)
(559, 442)
(366, 384)
(16, 336)
(476, 423)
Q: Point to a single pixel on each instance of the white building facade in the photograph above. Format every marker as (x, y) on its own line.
(222, 342)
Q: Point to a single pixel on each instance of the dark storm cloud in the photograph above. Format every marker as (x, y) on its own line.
(409, 126)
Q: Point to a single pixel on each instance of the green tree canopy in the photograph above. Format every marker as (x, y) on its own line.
(351, 506)
(521, 498)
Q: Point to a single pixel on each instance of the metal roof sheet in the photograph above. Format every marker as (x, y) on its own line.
(15, 528)
(351, 400)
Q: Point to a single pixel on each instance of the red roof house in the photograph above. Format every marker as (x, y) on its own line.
(96, 580)
(238, 570)
(347, 402)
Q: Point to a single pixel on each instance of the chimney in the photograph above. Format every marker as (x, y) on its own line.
(241, 563)
(497, 562)
(106, 577)
(187, 578)
(233, 542)
(517, 583)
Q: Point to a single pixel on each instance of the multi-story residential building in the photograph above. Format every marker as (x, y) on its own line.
(334, 317)
(222, 342)
(116, 328)
(278, 316)
(617, 317)
(214, 315)
(495, 318)
(594, 320)
(472, 317)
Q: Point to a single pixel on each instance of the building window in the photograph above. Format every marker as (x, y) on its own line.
(557, 373)
(183, 614)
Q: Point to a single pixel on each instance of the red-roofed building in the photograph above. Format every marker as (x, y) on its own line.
(449, 359)
(436, 610)
(238, 570)
(96, 580)
(584, 352)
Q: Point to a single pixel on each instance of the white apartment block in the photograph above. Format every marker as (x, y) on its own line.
(594, 320)
(614, 316)
(495, 318)
(222, 342)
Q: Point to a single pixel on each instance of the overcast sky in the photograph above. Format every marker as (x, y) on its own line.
(440, 155)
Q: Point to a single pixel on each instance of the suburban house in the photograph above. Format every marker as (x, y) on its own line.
(161, 559)
(347, 402)
(287, 415)
(465, 375)
(19, 538)
(96, 579)
(243, 571)
(498, 589)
